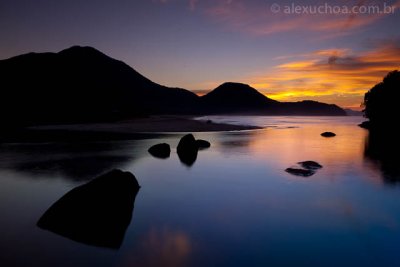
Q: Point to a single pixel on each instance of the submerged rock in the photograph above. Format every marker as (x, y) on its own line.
(160, 151)
(310, 165)
(96, 213)
(300, 172)
(202, 144)
(328, 134)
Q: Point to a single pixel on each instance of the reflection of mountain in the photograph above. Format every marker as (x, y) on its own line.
(383, 149)
(75, 161)
(76, 156)
(97, 213)
(82, 84)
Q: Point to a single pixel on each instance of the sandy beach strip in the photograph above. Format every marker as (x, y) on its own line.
(133, 129)
(156, 124)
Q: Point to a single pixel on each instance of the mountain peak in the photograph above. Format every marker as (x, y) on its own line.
(80, 51)
(240, 91)
(235, 86)
(233, 97)
(76, 48)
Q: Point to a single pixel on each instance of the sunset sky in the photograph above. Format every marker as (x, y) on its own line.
(323, 55)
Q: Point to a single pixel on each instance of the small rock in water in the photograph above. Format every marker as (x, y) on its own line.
(201, 144)
(365, 124)
(328, 134)
(310, 165)
(300, 172)
(160, 150)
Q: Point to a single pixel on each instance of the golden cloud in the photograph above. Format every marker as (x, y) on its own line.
(333, 75)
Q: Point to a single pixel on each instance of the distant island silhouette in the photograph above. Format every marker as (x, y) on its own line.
(81, 84)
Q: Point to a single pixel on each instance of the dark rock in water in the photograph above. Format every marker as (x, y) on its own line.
(209, 121)
(202, 144)
(188, 157)
(160, 151)
(96, 213)
(310, 165)
(187, 150)
(300, 172)
(365, 124)
(328, 134)
(187, 143)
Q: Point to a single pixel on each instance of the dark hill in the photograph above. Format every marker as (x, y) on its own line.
(381, 102)
(308, 107)
(236, 98)
(240, 98)
(81, 84)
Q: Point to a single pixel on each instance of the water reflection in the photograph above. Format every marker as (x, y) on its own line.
(237, 141)
(162, 247)
(383, 150)
(235, 207)
(75, 161)
(97, 213)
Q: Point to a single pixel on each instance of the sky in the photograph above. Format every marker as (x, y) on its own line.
(328, 51)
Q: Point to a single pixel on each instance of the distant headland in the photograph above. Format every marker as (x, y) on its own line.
(81, 84)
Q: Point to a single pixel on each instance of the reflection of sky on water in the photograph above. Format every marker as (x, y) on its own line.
(235, 206)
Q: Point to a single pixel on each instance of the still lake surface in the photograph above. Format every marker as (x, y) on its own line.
(235, 206)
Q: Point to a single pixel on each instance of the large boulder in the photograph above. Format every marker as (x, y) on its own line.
(96, 213)
(160, 151)
(187, 149)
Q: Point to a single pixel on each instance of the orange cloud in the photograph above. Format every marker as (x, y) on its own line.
(333, 75)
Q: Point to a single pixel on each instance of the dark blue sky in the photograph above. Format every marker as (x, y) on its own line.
(197, 44)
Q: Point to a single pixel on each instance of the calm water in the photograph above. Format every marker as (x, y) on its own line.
(236, 206)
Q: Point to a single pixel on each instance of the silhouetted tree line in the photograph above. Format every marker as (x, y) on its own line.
(382, 144)
(381, 102)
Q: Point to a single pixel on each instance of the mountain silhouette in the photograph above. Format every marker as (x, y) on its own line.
(81, 84)
(309, 107)
(236, 98)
